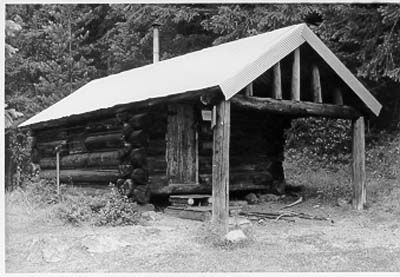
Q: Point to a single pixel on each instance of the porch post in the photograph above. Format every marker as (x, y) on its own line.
(358, 166)
(220, 166)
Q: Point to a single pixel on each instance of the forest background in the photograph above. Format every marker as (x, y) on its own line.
(52, 50)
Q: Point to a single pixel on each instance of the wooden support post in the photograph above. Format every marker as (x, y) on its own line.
(249, 90)
(359, 188)
(197, 157)
(220, 168)
(337, 97)
(277, 86)
(295, 92)
(316, 84)
(58, 172)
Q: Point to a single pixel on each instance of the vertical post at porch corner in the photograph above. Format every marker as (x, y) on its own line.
(58, 172)
(220, 167)
(358, 165)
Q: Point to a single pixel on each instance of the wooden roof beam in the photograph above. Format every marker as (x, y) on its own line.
(295, 108)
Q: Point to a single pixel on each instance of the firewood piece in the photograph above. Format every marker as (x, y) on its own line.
(140, 176)
(142, 194)
(298, 201)
(138, 138)
(138, 158)
(125, 170)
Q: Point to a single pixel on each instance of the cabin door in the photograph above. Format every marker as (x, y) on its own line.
(181, 138)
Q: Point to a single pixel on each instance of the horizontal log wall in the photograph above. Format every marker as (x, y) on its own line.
(106, 150)
(256, 150)
(112, 149)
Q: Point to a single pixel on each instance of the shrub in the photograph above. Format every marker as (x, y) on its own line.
(75, 207)
(118, 210)
(323, 141)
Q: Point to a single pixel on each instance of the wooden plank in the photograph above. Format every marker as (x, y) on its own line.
(316, 84)
(249, 90)
(337, 97)
(159, 186)
(220, 169)
(277, 85)
(294, 108)
(295, 91)
(181, 144)
(342, 71)
(358, 165)
(188, 214)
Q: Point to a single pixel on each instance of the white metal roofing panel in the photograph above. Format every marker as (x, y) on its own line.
(231, 66)
(342, 71)
(194, 71)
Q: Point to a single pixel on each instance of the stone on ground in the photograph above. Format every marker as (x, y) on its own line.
(101, 243)
(235, 236)
(251, 198)
(239, 221)
(150, 215)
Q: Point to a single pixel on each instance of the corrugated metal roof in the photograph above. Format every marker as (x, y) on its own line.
(231, 66)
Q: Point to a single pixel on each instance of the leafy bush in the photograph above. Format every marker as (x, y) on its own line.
(322, 141)
(18, 150)
(74, 206)
(118, 210)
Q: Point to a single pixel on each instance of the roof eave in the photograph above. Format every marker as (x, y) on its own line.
(343, 72)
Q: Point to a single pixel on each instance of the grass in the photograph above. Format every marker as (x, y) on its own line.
(38, 202)
(208, 234)
(329, 183)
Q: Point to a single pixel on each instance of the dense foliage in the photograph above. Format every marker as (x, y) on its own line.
(51, 50)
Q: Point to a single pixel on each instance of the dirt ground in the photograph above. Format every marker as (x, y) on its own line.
(356, 241)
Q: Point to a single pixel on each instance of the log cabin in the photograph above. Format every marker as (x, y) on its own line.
(208, 121)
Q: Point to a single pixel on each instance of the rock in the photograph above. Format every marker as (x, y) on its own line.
(146, 208)
(150, 215)
(268, 197)
(342, 202)
(239, 221)
(101, 244)
(235, 236)
(49, 250)
(251, 198)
